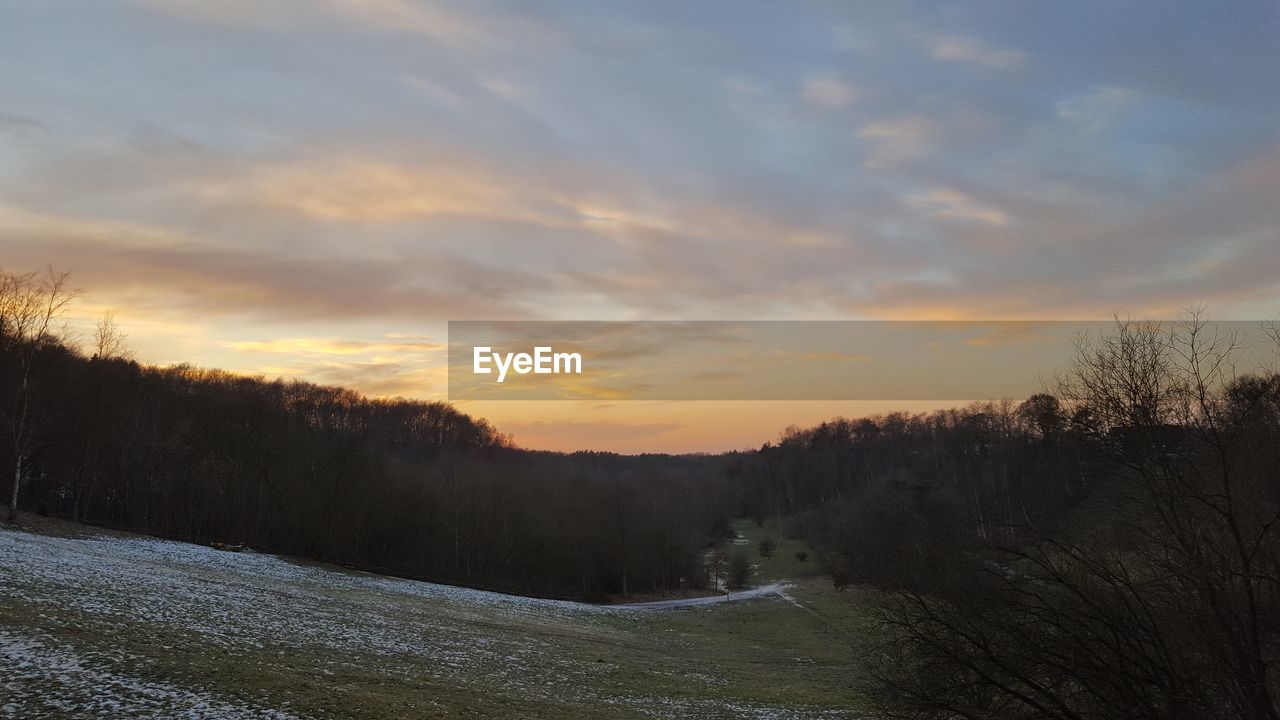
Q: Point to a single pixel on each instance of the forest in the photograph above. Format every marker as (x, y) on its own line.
(399, 486)
(1106, 549)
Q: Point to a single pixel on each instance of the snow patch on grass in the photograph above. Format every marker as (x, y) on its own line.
(40, 678)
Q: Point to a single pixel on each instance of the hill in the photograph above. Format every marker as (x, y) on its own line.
(97, 625)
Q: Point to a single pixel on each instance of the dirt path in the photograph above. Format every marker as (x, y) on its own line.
(752, 593)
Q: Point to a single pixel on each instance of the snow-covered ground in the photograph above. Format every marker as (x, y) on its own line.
(262, 605)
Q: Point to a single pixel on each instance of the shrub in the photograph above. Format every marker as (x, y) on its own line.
(767, 546)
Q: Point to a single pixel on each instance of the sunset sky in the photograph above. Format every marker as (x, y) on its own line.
(313, 188)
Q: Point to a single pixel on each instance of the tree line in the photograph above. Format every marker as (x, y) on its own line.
(400, 486)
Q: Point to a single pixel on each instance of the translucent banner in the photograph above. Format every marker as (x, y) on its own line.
(784, 360)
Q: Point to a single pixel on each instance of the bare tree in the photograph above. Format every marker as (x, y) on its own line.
(109, 340)
(1161, 598)
(30, 304)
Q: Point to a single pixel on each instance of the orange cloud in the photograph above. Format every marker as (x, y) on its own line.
(333, 346)
(375, 191)
(837, 357)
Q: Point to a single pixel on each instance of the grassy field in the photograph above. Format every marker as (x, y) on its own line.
(783, 563)
(120, 626)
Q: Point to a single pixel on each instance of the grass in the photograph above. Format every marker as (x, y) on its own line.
(383, 653)
(806, 650)
(783, 563)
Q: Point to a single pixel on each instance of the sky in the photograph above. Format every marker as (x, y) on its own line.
(313, 188)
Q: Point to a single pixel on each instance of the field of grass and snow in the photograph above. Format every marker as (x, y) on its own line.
(122, 626)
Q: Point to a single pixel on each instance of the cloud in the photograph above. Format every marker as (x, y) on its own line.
(964, 49)
(855, 39)
(435, 91)
(1212, 244)
(952, 204)
(438, 21)
(837, 357)
(829, 92)
(507, 89)
(376, 191)
(386, 367)
(380, 378)
(899, 140)
(155, 270)
(334, 346)
(16, 124)
(715, 376)
(1094, 111)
